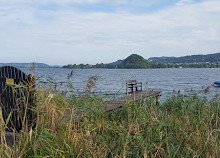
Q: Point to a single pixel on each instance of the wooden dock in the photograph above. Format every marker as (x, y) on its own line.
(134, 94)
(135, 97)
(120, 102)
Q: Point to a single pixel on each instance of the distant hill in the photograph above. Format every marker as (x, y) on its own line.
(134, 61)
(39, 65)
(212, 58)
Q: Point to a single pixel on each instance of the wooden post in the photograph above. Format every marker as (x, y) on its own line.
(127, 87)
(157, 99)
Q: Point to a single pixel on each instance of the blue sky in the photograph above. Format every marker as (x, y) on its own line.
(93, 31)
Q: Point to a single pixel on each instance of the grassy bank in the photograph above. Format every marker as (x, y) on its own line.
(182, 126)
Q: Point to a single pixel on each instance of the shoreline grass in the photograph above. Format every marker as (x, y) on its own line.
(181, 126)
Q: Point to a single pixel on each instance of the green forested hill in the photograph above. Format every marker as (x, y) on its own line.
(134, 61)
(212, 58)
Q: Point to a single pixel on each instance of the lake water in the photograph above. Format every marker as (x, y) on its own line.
(113, 81)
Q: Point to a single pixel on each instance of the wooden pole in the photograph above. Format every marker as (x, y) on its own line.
(157, 99)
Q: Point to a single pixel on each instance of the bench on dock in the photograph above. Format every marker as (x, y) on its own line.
(132, 86)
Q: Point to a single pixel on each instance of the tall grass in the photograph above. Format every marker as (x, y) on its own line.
(66, 127)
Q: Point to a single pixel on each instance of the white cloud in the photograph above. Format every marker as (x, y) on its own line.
(81, 1)
(184, 2)
(69, 36)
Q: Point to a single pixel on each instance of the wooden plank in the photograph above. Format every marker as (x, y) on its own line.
(111, 105)
(135, 96)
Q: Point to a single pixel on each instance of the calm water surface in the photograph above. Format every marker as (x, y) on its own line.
(112, 81)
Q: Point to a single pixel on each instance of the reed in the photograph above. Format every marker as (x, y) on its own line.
(182, 126)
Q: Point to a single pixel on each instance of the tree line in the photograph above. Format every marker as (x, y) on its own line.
(135, 61)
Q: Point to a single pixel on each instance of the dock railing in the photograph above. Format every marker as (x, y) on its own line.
(132, 86)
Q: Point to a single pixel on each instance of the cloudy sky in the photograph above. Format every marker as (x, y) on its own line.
(59, 32)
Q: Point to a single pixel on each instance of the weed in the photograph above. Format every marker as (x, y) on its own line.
(181, 126)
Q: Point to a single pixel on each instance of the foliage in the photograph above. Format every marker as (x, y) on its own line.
(182, 126)
(135, 61)
(211, 58)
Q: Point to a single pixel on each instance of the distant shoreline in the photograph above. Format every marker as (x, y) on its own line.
(136, 61)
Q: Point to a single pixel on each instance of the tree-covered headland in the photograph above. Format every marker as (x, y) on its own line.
(135, 61)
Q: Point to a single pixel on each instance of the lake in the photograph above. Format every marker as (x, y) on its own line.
(113, 81)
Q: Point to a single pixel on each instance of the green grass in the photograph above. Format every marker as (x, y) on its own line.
(182, 126)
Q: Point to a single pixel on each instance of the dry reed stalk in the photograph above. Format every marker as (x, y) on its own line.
(158, 149)
(53, 115)
(71, 124)
(145, 154)
(24, 147)
(2, 131)
(91, 83)
(24, 121)
(33, 67)
(70, 74)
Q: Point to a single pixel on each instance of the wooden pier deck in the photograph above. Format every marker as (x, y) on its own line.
(120, 102)
(135, 96)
